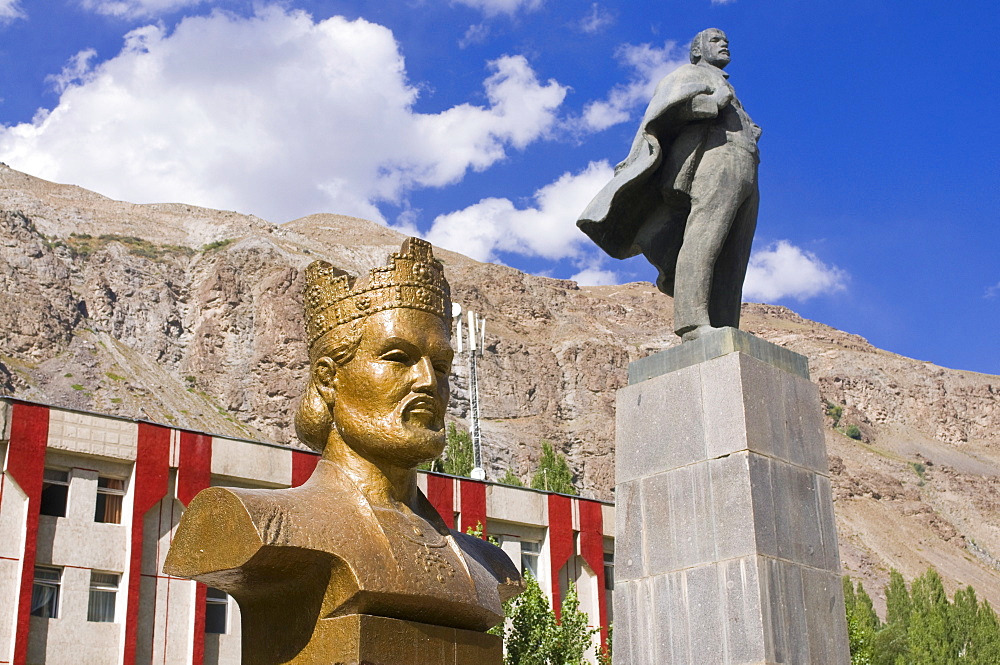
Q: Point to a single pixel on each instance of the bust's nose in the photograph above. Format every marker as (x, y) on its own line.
(424, 376)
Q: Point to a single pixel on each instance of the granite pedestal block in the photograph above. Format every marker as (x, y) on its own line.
(726, 546)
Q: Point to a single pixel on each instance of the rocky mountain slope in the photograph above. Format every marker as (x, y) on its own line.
(192, 317)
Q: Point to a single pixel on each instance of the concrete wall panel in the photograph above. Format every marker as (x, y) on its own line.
(92, 434)
(265, 465)
(509, 504)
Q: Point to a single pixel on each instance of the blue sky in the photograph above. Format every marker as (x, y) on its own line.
(486, 125)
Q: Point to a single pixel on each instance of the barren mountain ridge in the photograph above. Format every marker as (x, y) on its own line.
(192, 317)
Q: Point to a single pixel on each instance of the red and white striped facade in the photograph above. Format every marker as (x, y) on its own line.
(160, 619)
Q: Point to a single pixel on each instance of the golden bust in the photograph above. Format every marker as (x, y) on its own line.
(357, 552)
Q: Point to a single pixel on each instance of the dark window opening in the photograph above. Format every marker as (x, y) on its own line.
(55, 491)
(216, 611)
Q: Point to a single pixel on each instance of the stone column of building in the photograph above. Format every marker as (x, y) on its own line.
(726, 547)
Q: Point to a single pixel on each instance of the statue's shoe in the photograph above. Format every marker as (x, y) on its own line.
(692, 335)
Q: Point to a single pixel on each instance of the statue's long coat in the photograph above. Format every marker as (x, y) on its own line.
(654, 181)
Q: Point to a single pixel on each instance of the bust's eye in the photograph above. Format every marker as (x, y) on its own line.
(442, 368)
(396, 356)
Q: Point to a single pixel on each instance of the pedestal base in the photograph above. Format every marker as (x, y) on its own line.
(361, 639)
(726, 545)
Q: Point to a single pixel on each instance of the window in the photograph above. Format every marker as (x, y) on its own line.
(103, 590)
(110, 494)
(55, 489)
(216, 609)
(45, 592)
(609, 584)
(529, 557)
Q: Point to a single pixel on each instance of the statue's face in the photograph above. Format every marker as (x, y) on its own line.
(390, 398)
(715, 48)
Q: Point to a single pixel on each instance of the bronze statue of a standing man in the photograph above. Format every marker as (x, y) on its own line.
(686, 196)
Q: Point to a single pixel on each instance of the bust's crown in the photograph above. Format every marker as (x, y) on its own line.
(414, 279)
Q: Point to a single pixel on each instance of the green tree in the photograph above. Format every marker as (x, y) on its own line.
(983, 647)
(862, 623)
(534, 637)
(553, 474)
(530, 627)
(964, 616)
(890, 644)
(604, 655)
(458, 459)
(573, 635)
(510, 478)
(922, 627)
(931, 632)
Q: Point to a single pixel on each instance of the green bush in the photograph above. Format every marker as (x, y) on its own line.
(835, 411)
(853, 432)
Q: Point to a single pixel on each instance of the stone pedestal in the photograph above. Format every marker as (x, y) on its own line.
(361, 639)
(726, 547)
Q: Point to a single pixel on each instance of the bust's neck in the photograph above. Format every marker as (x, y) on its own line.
(384, 485)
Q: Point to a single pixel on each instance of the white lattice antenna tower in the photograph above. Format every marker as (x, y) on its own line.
(475, 341)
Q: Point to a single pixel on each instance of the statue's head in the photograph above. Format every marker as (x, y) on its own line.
(712, 46)
(380, 354)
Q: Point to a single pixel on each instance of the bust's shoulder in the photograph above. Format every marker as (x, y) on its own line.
(223, 528)
(492, 560)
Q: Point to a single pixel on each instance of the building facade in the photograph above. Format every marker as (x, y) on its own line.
(89, 504)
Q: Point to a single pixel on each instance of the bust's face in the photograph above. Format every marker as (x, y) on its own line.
(390, 398)
(715, 48)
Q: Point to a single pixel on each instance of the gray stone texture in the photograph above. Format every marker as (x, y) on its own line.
(713, 344)
(726, 546)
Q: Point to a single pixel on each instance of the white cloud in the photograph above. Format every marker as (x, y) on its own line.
(723, 2)
(596, 19)
(546, 229)
(993, 291)
(10, 10)
(74, 71)
(136, 8)
(476, 34)
(275, 114)
(495, 7)
(649, 64)
(596, 277)
(783, 270)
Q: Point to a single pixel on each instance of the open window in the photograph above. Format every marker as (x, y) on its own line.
(55, 492)
(110, 496)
